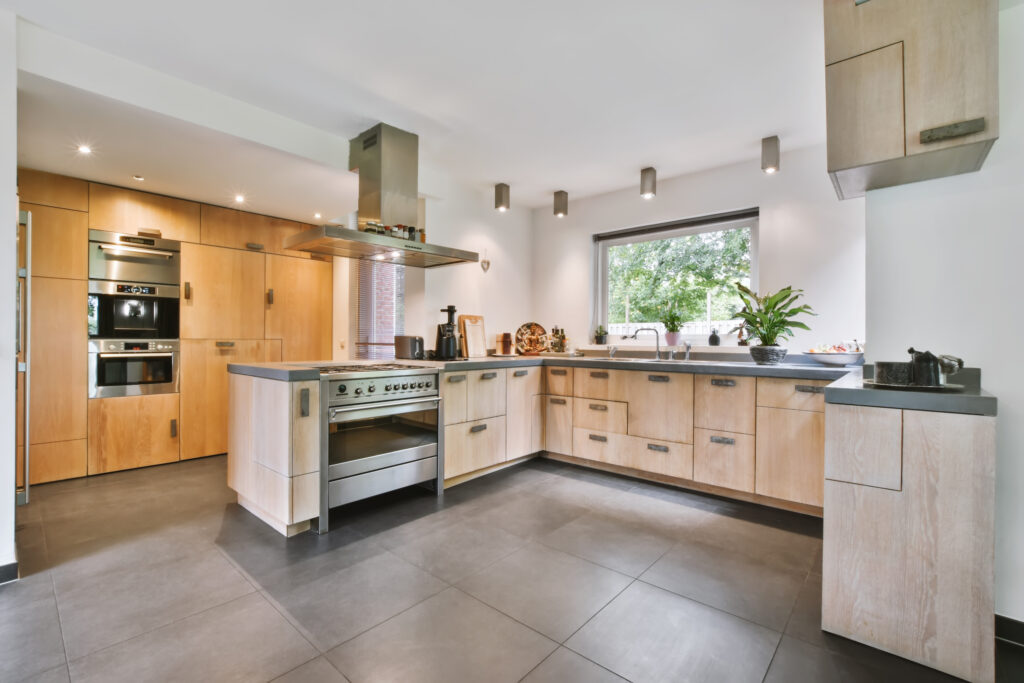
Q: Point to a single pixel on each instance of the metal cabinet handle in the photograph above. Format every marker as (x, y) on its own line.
(657, 378)
(657, 447)
(456, 378)
(557, 401)
(723, 440)
(137, 250)
(304, 403)
(188, 290)
(599, 375)
(255, 246)
(174, 429)
(224, 344)
(953, 130)
(477, 428)
(599, 407)
(489, 375)
(270, 296)
(520, 373)
(809, 389)
(598, 437)
(723, 382)
(557, 371)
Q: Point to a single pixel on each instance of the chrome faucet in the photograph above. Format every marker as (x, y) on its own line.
(612, 350)
(672, 351)
(657, 339)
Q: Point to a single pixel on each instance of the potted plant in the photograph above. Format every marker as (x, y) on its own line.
(672, 322)
(769, 319)
(600, 335)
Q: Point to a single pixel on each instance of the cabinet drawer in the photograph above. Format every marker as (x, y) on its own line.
(605, 416)
(864, 445)
(558, 381)
(607, 385)
(660, 457)
(593, 444)
(660, 405)
(485, 393)
(455, 395)
(791, 455)
(724, 459)
(724, 403)
(471, 446)
(794, 394)
(558, 424)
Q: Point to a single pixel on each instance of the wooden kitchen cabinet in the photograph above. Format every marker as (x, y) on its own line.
(659, 457)
(864, 445)
(132, 431)
(454, 396)
(724, 403)
(222, 293)
(485, 393)
(724, 459)
(593, 444)
(605, 416)
(50, 189)
(119, 210)
(223, 227)
(607, 385)
(558, 381)
(204, 389)
(794, 394)
(558, 424)
(471, 446)
(523, 419)
(790, 455)
(299, 307)
(60, 242)
(661, 405)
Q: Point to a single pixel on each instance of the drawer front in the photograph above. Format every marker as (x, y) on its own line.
(593, 444)
(605, 416)
(558, 381)
(724, 459)
(471, 446)
(791, 455)
(485, 393)
(455, 394)
(724, 403)
(660, 457)
(607, 385)
(558, 424)
(864, 445)
(660, 405)
(793, 394)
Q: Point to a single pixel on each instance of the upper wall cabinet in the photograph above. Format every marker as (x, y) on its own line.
(49, 189)
(911, 90)
(222, 293)
(119, 210)
(232, 228)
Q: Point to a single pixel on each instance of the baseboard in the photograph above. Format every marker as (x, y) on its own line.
(1010, 630)
(8, 572)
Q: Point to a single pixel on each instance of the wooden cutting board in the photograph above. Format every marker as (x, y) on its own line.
(474, 341)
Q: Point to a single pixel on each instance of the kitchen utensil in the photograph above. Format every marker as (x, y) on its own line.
(446, 347)
(892, 373)
(531, 339)
(924, 368)
(836, 358)
(409, 347)
(474, 340)
(949, 365)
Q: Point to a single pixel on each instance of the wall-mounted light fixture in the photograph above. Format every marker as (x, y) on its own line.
(501, 197)
(648, 182)
(561, 203)
(770, 154)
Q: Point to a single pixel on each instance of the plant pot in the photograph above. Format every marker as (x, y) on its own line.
(600, 338)
(768, 355)
(672, 338)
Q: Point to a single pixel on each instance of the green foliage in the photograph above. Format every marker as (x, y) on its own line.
(676, 275)
(771, 317)
(672, 320)
(600, 331)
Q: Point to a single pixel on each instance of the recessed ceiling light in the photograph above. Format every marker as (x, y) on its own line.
(84, 149)
(138, 178)
(316, 215)
(770, 154)
(501, 197)
(648, 182)
(561, 203)
(239, 198)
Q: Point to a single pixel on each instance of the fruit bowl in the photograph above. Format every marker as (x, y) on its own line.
(837, 354)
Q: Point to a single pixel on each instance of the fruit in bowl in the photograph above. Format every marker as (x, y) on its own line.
(837, 354)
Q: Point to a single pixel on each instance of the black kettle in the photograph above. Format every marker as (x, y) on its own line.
(924, 368)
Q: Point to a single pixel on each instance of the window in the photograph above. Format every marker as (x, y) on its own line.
(689, 267)
(381, 313)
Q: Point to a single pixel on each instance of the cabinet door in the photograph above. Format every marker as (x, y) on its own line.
(60, 242)
(521, 419)
(795, 394)
(454, 396)
(592, 444)
(852, 28)
(50, 189)
(660, 457)
(472, 446)
(222, 293)
(791, 455)
(132, 431)
(605, 416)
(558, 424)
(204, 390)
(223, 227)
(558, 381)
(299, 307)
(724, 403)
(660, 405)
(724, 459)
(864, 108)
(120, 210)
(485, 393)
(607, 385)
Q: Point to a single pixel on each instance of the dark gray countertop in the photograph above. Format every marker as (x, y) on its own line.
(973, 400)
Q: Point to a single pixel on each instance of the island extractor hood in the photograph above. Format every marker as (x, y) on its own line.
(387, 160)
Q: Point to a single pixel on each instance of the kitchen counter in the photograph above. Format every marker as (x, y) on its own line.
(973, 400)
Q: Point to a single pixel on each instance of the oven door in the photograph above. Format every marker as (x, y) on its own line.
(132, 316)
(364, 439)
(115, 256)
(132, 373)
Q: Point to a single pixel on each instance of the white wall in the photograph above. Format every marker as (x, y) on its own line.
(808, 239)
(8, 264)
(944, 271)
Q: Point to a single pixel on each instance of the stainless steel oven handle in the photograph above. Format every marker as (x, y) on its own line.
(137, 354)
(138, 250)
(387, 404)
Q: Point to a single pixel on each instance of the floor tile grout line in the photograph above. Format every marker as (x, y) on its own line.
(770, 661)
(292, 621)
(60, 623)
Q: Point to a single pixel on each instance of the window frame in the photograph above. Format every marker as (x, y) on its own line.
(749, 219)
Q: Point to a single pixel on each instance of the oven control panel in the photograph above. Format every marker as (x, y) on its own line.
(142, 346)
(371, 389)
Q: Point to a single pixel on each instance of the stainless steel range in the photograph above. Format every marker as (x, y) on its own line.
(382, 429)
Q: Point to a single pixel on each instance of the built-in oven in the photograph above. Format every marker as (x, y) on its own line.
(132, 310)
(133, 258)
(132, 367)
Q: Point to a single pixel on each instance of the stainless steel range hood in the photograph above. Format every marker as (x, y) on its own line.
(387, 160)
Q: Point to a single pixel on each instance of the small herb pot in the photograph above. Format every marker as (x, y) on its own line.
(672, 338)
(600, 338)
(768, 355)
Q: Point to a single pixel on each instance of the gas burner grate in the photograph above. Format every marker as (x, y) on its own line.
(377, 367)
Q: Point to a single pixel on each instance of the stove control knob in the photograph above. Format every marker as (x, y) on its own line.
(342, 389)
(405, 386)
(428, 385)
(359, 390)
(372, 388)
(387, 387)
(420, 385)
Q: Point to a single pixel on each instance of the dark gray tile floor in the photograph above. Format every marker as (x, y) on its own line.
(542, 572)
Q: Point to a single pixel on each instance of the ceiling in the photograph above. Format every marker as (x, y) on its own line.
(542, 95)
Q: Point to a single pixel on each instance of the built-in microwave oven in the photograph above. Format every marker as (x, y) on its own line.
(134, 258)
(123, 367)
(131, 310)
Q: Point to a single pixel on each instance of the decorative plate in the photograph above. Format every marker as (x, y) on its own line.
(531, 339)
